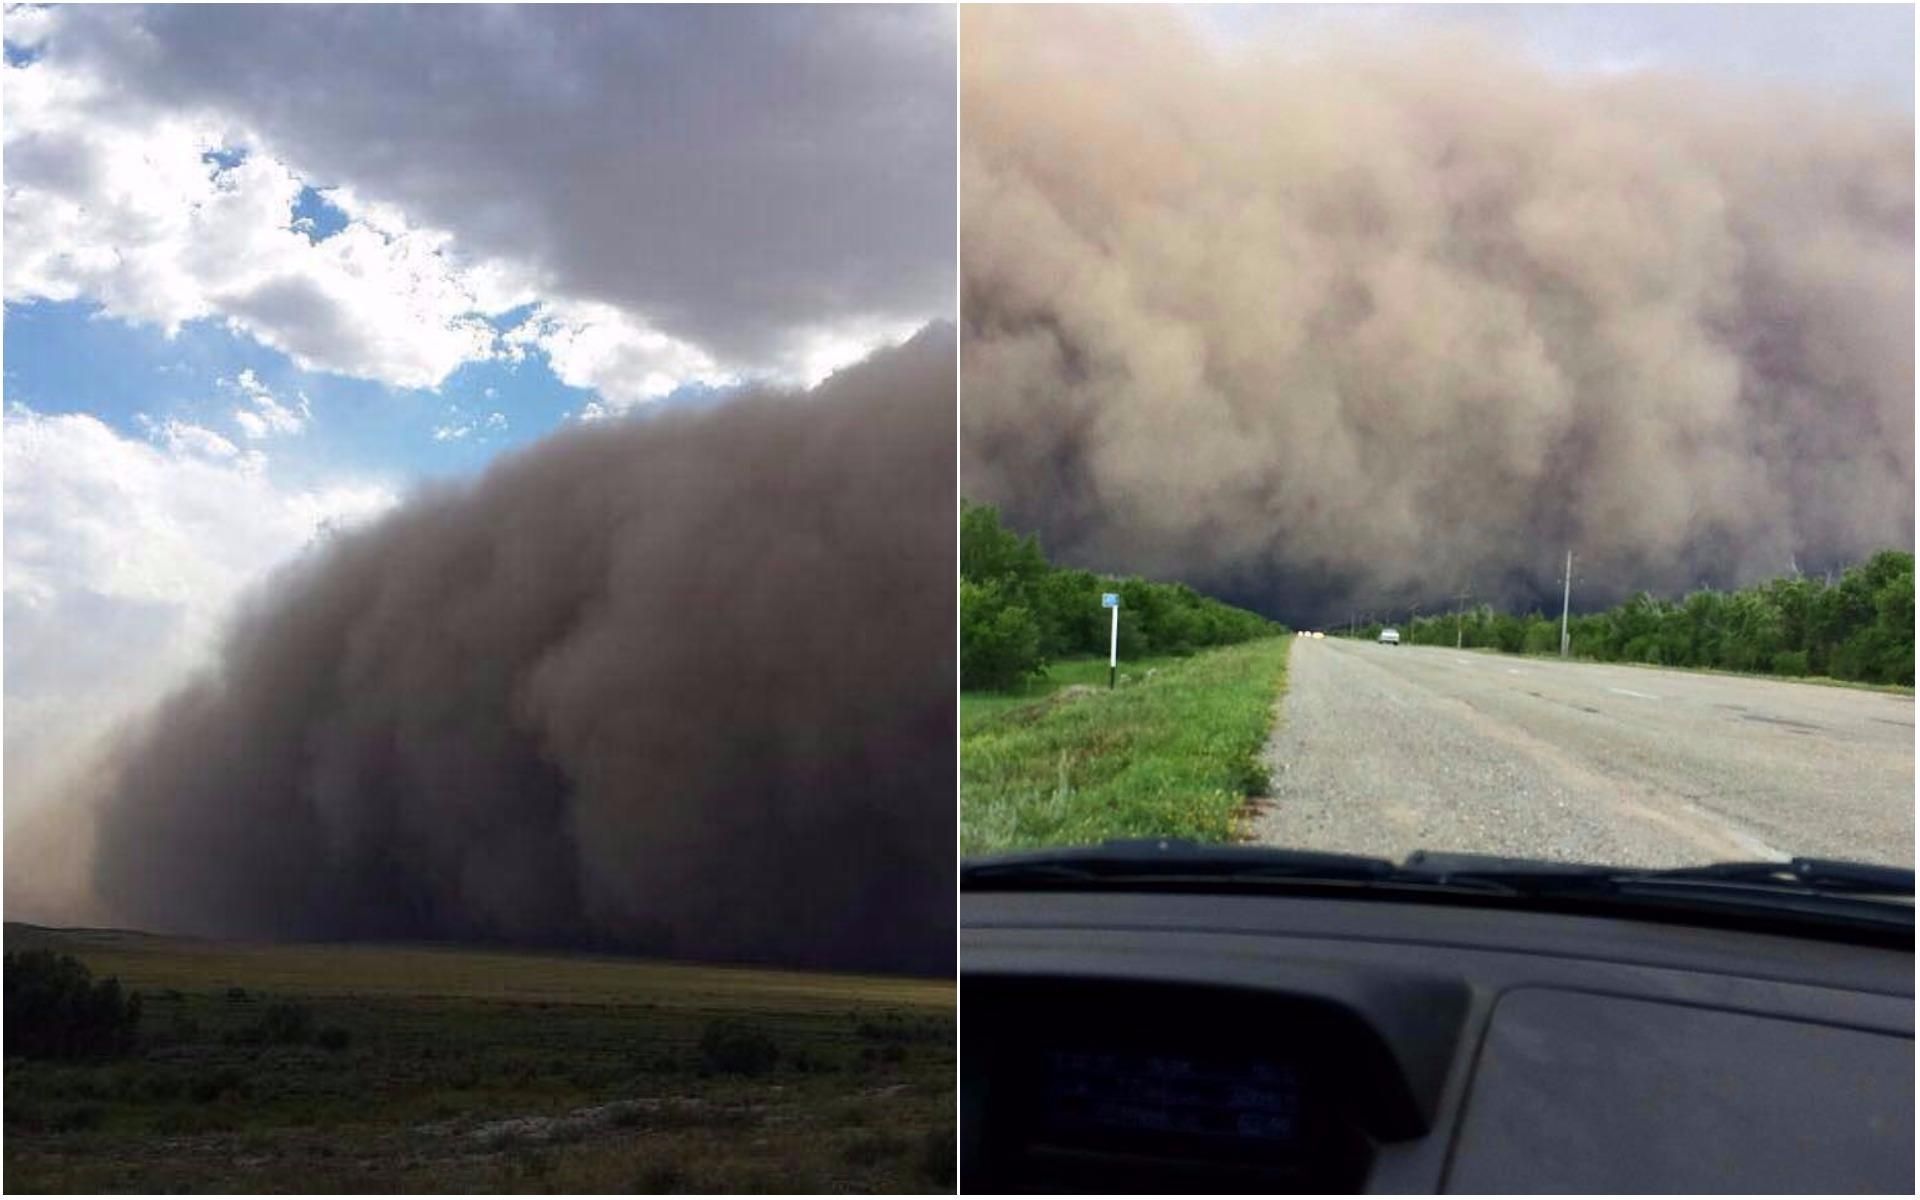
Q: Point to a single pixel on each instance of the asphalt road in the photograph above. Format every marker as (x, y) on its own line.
(1384, 750)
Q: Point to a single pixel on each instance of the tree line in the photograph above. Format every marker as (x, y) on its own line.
(1858, 627)
(1018, 612)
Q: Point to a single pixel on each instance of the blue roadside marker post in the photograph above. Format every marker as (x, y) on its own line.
(1112, 600)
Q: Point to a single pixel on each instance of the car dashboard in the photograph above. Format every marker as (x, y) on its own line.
(1155, 1042)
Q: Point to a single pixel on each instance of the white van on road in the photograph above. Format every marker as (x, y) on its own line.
(1389, 637)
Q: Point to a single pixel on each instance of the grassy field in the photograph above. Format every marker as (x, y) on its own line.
(979, 707)
(1171, 755)
(442, 1069)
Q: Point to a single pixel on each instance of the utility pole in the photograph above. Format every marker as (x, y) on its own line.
(1460, 620)
(1566, 598)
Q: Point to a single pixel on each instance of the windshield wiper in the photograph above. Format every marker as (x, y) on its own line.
(1821, 888)
(1814, 876)
(1830, 876)
(1167, 859)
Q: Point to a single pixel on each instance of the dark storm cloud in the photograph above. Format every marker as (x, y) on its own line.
(680, 685)
(1367, 322)
(726, 173)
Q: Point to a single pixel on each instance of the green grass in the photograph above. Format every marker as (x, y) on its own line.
(485, 1071)
(979, 707)
(1170, 756)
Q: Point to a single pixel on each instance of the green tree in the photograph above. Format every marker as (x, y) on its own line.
(990, 551)
(999, 638)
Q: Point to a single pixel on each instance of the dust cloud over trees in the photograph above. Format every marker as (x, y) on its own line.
(1330, 323)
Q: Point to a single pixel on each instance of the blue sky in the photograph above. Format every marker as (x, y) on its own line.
(65, 356)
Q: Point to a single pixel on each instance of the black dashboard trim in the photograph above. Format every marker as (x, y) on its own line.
(1705, 911)
(1433, 943)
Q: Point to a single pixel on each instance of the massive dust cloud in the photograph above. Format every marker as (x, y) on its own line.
(1331, 325)
(679, 685)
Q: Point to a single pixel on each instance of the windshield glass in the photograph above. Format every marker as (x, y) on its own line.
(1439, 433)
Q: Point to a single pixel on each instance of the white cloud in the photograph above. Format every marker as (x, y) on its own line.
(600, 348)
(812, 353)
(123, 558)
(186, 440)
(720, 181)
(27, 24)
(122, 207)
(263, 415)
(458, 427)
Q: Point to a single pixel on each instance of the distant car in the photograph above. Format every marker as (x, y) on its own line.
(1317, 633)
(1389, 637)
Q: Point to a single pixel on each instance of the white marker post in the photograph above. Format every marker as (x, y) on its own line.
(1566, 602)
(1112, 600)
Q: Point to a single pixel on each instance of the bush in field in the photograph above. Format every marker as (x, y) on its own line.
(937, 1157)
(286, 1024)
(732, 1047)
(54, 1009)
(999, 638)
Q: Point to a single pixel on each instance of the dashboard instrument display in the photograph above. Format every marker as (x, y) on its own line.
(1121, 1096)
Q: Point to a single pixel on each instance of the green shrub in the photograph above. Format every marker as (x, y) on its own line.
(733, 1047)
(999, 638)
(286, 1024)
(1790, 662)
(937, 1157)
(659, 1178)
(76, 1118)
(871, 1148)
(54, 1009)
(209, 1086)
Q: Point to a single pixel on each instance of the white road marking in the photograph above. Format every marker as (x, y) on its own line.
(1465, 662)
(1631, 692)
(1515, 671)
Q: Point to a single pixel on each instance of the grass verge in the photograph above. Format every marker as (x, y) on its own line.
(1169, 756)
(977, 708)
